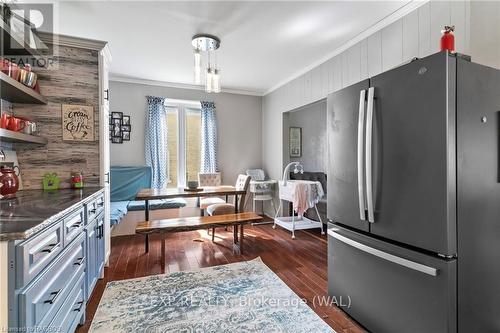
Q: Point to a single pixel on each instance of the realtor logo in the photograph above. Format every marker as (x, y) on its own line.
(20, 26)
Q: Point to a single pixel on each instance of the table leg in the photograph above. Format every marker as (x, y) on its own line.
(241, 239)
(236, 243)
(146, 210)
(235, 233)
(162, 264)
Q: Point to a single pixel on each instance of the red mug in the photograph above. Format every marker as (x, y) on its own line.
(16, 124)
(4, 120)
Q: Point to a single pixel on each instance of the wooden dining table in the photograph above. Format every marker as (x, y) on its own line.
(148, 194)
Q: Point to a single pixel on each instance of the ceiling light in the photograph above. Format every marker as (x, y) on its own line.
(209, 80)
(204, 44)
(197, 66)
(216, 81)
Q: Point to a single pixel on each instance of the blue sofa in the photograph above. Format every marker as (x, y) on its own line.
(126, 181)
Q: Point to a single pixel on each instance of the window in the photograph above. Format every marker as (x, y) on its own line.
(184, 141)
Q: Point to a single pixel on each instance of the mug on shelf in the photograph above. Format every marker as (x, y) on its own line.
(16, 124)
(29, 127)
(4, 120)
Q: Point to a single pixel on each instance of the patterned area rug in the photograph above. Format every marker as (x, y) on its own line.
(240, 297)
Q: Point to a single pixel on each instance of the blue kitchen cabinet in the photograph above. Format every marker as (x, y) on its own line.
(91, 272)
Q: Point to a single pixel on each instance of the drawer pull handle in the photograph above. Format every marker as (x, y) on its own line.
(93, 211)
(79, 262)
(79, 308)
(54, 297)
(101, 231)
(76, 225)
(50, 248)
(100, 203)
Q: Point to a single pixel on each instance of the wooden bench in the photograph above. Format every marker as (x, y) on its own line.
(237, 221)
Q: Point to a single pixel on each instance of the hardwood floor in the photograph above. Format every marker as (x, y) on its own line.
(300, 263)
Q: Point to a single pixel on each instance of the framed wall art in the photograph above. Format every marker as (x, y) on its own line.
(295, 141)
(119, 127)
(77, 122)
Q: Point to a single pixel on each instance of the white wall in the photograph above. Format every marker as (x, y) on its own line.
(312, 120)
(415, 35)
(238, 118)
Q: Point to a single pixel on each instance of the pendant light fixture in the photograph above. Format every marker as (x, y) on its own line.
(197, 66)
(206, 44)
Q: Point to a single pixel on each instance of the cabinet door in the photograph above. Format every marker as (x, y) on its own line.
(91, 257)
(100, 243)
(104, 62)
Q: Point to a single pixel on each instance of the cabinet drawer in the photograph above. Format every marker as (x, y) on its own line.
(34, 254)
(73, 225)
(39, 303)
(72, 310)
(100, 203)
(94, 207)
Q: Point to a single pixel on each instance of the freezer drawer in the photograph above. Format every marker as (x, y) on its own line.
(387, 288)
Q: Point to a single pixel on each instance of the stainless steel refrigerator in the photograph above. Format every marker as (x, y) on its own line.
(414, 198)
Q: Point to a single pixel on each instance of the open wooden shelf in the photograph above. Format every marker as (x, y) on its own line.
(16, 92)
(11, 136)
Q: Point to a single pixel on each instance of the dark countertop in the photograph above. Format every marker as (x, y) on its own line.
(32, 210)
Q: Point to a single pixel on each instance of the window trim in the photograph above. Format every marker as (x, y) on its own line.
(181, 106)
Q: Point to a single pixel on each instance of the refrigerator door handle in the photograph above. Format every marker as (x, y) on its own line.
(368, 155)
(384, 255)
(361, 166)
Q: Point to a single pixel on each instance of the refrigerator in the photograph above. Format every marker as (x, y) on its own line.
(414, 197)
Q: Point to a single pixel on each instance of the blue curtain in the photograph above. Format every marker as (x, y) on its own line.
(208, 138)
(156, 141)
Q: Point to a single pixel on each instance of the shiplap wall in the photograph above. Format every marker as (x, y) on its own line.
(415, 35)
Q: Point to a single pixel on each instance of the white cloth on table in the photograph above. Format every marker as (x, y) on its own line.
(303, 194)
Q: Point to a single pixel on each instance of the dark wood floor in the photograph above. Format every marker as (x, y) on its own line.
(300, 263)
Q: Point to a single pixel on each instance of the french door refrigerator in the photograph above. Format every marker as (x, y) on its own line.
(414, 198)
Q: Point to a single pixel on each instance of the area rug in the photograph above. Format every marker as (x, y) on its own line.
(240, 297)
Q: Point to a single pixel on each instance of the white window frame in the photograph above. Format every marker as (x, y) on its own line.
(181, 106)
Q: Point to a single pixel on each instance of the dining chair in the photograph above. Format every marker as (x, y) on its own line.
(242, 183)
(209, 179)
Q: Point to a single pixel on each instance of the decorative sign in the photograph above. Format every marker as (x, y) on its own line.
(295, 142)
(77, 122)
(119, 127)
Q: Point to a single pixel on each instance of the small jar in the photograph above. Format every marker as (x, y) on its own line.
(77, 180)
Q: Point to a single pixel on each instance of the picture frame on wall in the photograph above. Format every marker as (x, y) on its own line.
(116, 127)
(295, 141)
(119, 127)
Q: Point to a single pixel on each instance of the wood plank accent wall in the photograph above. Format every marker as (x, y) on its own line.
(416, 34)
(72, 79)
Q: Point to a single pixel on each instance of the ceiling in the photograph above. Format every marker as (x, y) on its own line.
(262, 43)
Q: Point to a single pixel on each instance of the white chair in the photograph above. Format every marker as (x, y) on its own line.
(242, 183)
(209, 179)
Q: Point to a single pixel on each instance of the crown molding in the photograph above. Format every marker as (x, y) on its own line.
(117, 78)
(72, 41)
(389, 19)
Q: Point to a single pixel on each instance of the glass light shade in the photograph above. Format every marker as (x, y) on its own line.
(209, 81)
(216, 81)
(197, 67)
